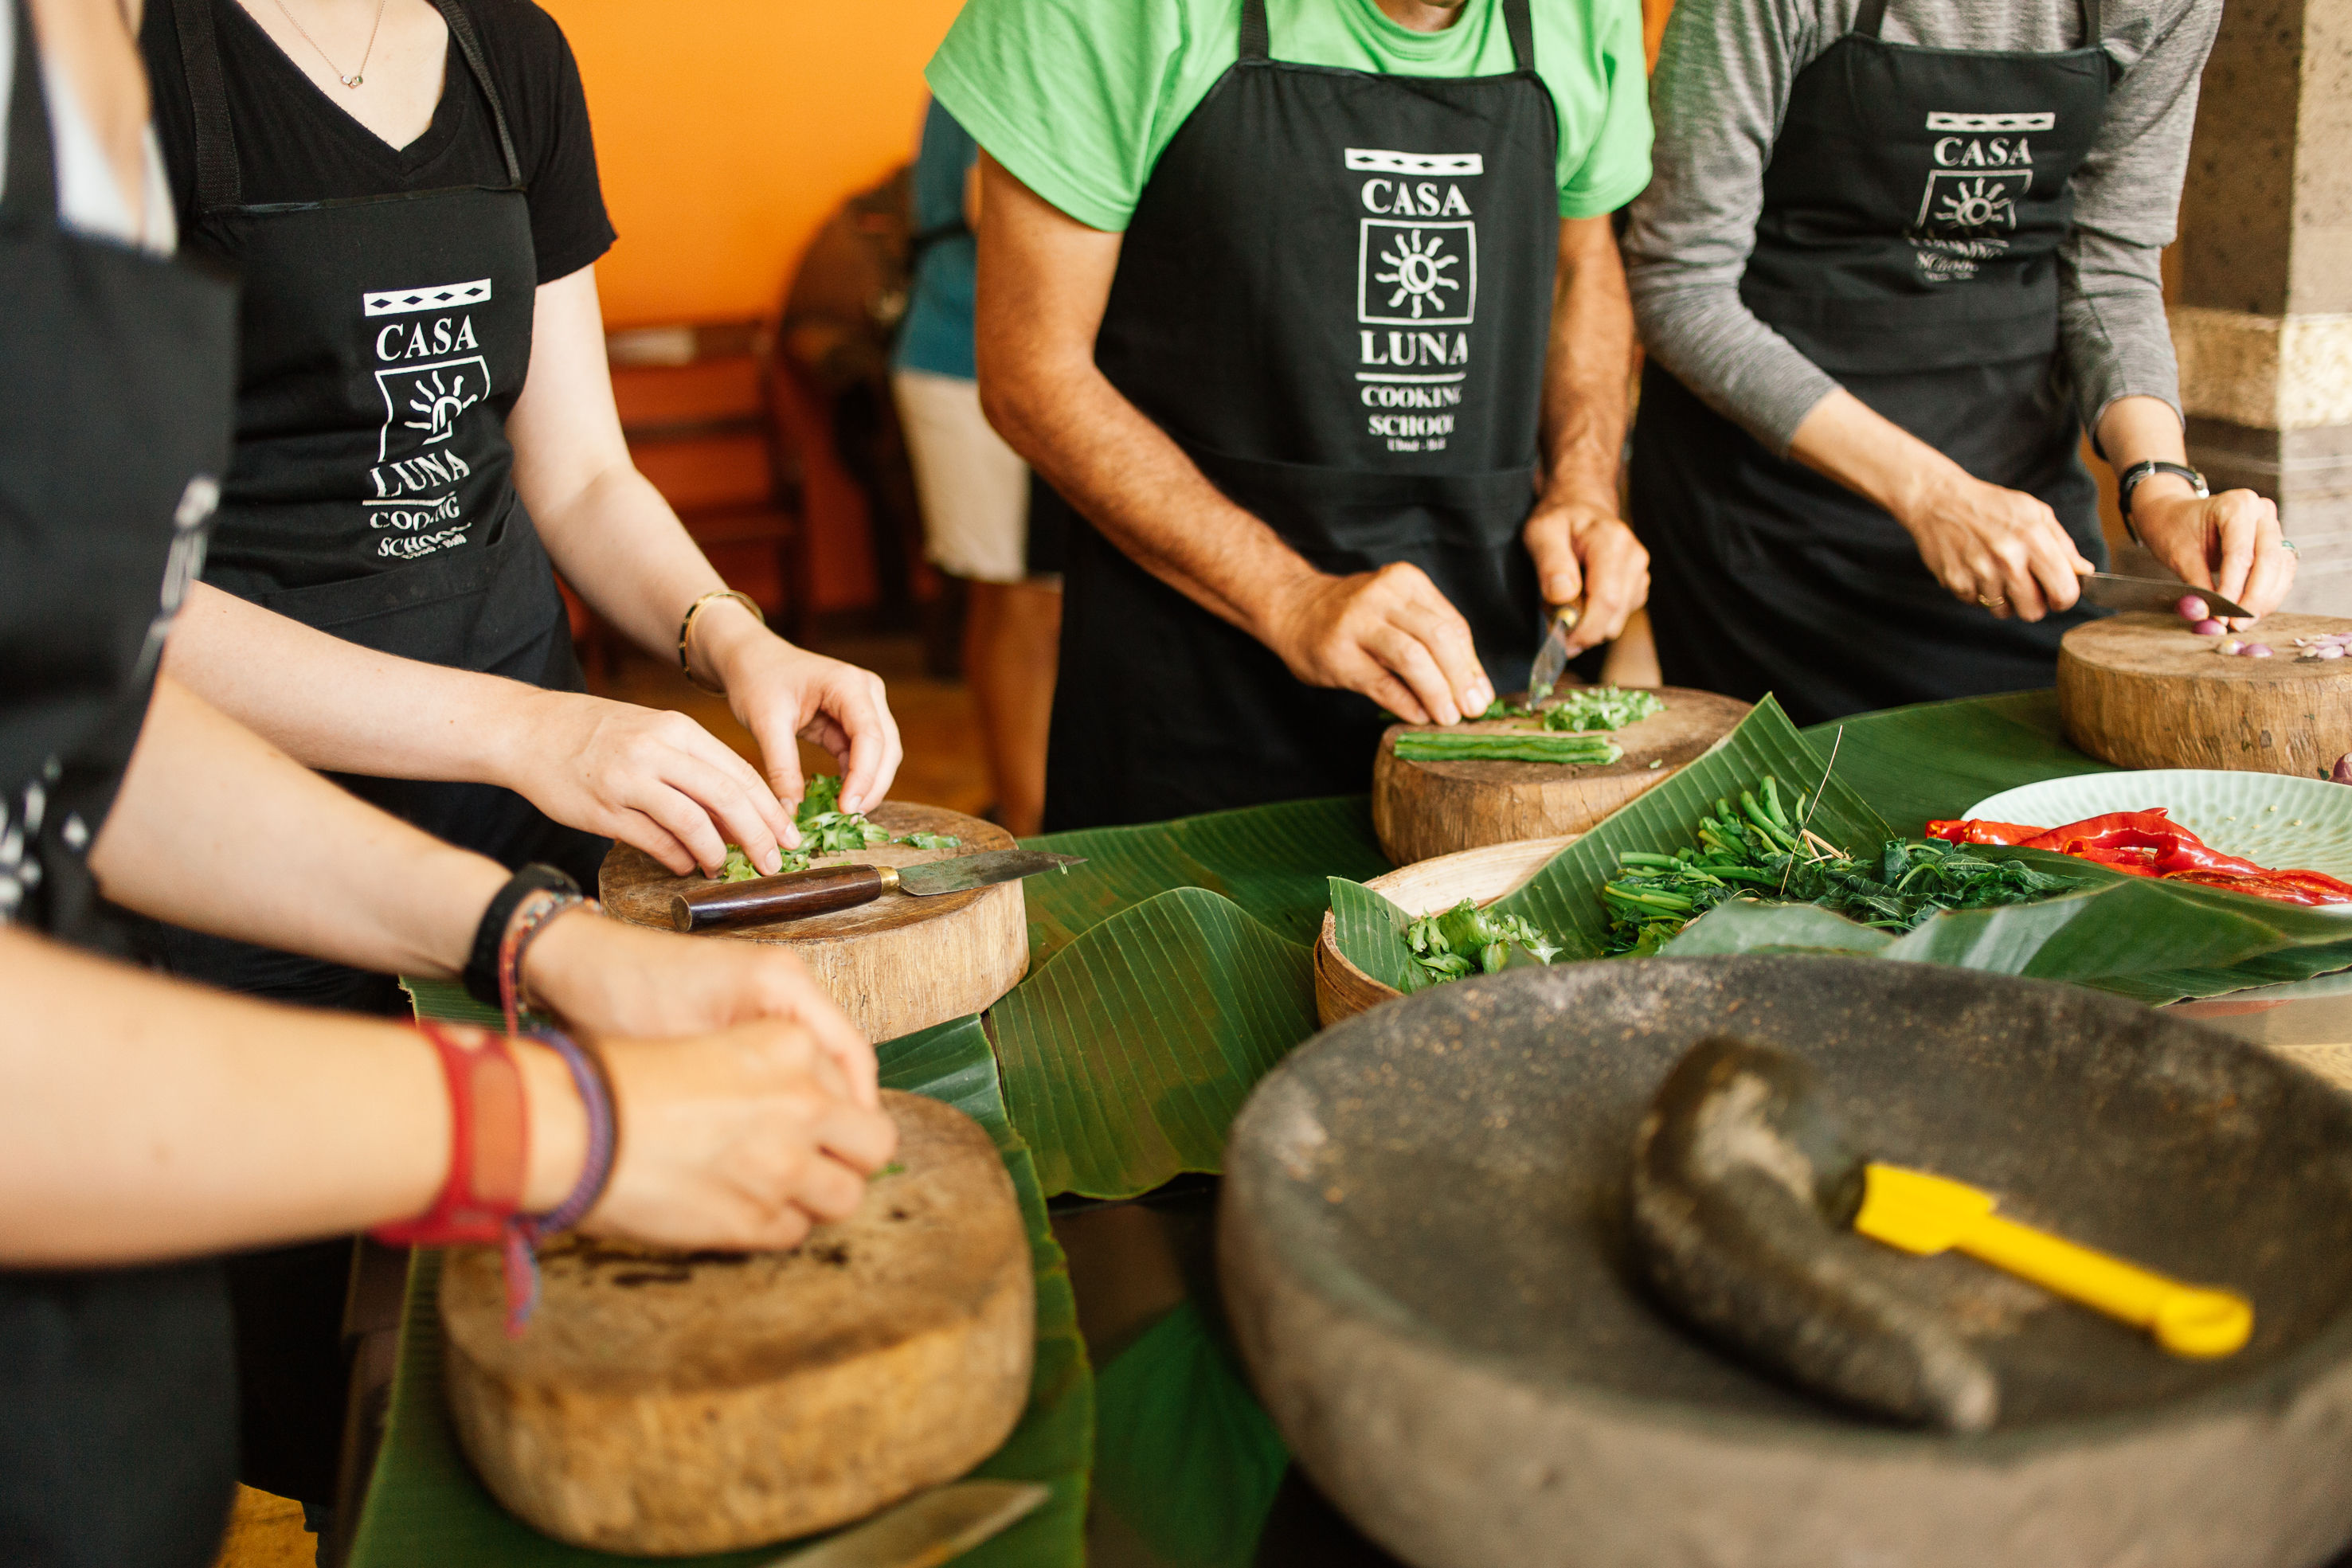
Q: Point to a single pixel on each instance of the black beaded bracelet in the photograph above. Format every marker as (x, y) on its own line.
(481, 975)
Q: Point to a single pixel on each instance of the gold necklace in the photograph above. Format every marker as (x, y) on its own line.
(357, 76)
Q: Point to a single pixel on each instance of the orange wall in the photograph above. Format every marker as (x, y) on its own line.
(726, 130)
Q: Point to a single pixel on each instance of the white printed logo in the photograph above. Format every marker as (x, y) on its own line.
(431, 370)
(1410, 274)
(1377, 160)
(1980, 167)
(439, 296)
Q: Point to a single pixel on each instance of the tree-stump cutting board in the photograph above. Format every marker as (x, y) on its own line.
(2144, 691)
(1421, 809)
(665, 1403)
(897, 965)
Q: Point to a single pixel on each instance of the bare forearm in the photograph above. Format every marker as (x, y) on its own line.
(621, 547)
(142, 1120)
(336, 706)
(2143, 429)
(1867, 453)
(1587, 368)
(1135, 484)
(215, 831)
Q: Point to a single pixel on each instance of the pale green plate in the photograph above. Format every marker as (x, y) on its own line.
(2274, 818)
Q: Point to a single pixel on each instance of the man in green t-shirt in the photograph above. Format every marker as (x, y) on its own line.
(1311, 310)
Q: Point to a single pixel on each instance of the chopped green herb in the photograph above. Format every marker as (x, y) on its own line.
(1587, 708)
(893, 1168)
(828, 830)
(1753, 848)
(1467, 940)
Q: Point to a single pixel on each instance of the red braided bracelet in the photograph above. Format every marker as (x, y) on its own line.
(489, 1144)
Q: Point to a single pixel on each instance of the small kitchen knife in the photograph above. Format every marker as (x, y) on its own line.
(2108, 591)
(1551, 656)
(927, 1529)
(821, 890)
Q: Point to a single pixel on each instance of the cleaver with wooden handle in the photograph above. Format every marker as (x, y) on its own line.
(821, 890)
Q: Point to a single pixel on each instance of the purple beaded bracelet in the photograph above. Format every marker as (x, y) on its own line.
(525, 1232)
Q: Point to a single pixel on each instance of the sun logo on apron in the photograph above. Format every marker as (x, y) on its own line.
(1980, 204)
(439, 400)
(1417, 267)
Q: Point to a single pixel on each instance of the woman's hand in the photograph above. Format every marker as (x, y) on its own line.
(611, 979)
(2230, 543)
(646, 777)
(784, 694)
(2001, 548)
(741, 1139)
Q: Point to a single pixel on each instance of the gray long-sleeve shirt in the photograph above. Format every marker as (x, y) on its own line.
(1717, 98)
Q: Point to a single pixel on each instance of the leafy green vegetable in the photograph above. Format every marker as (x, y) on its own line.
(828, 830)
(1508, 745)
(1755, 848)
(1587, 707)
(1467, 940)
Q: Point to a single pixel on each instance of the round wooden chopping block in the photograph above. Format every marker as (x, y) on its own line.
(1483, 876)
(1424, 1254)
(2144, 691)
(1422, 809)
(667, 1403)
(897, 965)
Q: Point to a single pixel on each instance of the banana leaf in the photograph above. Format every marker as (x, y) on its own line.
(1564, 897)
(1126, 1056)
(1369, 932)
(424, 1504)
(1270, 860)
(1936, 759)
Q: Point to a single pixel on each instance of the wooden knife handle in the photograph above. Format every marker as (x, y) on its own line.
(794, 896)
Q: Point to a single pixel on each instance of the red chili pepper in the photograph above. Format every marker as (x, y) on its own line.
(1978, 831)
(2150, 844)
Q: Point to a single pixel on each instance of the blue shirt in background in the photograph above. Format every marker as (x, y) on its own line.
(937, 333)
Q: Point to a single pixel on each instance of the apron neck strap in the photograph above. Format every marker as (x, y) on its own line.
(1517, 18)
(32, 190)
(461, 27)
(1254, 35)
(1521, 23)
(220, 182)
(1869, 17)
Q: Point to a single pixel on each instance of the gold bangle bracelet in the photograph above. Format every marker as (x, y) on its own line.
(686, 630)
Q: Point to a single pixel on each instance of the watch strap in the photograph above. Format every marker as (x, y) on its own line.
(2129, 480)
(481, 974)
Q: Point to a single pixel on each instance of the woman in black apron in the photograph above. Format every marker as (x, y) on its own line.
(1922, 537)
(118, 1441)
(1234, 323)
(393, 306)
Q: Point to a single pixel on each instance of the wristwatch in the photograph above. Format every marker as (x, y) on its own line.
(2128, 480)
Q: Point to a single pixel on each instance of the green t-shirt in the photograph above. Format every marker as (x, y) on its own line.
(1078, 98)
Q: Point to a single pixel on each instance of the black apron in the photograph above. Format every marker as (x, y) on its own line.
(1913, 209)
(383, 341)
(1335, 296)
(117, 1405)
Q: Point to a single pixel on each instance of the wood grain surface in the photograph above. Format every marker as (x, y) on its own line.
(1422, 809)
(1484, 874)
(2144, 691)
(667, 1403)
(897, 965)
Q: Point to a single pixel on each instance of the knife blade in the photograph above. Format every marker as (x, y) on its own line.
(2110, 591)
(1552, 654)
(927, 1529)
(2314, 1029)
(821, 890)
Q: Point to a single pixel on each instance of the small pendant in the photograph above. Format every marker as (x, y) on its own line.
(352, 81)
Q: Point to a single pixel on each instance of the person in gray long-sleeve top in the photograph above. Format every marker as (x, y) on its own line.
(1895, 256)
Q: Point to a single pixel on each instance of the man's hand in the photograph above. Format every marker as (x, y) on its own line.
(785, 695)
(1389, 634)
(1584, 551)
(745, 1138)
(2230, 543)
(610, 978)
(1999, 547)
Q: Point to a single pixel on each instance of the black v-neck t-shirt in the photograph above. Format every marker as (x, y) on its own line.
(295, 144)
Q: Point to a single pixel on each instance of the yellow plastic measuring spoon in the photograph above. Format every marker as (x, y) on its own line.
(1929, 1213)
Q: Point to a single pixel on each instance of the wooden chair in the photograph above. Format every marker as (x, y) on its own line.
(698, 405)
